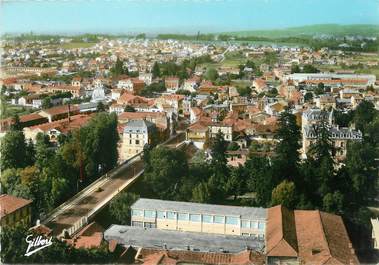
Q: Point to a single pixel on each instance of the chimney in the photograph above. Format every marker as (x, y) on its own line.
(38, 222)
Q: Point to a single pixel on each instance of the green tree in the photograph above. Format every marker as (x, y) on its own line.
(308, 68)
(308, 96)
(156, 71)
(13, 150)
(295, 69)
(129, 108)
(364, 114)
(100, 107)
(46, 103)
(43, 150)
(118, 69)
(16, 123)
(284, 194)
(333, 202)
(287, 158)
(211, 74)
(164, 171)
(201, 193)
(119, 207)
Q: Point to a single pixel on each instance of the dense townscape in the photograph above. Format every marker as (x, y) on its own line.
(189, 149)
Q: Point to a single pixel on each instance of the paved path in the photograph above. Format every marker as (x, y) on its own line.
(97, 195)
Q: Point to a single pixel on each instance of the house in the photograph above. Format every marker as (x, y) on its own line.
(116, 93)
(307, 237)
(325, 102)
(15, 211)
(260, 85)
(172, 83)
(158, 118)
(132, 85)
(198, 133)
(136, 134)
(55, 128)
(147, 78)
(191, 84)
(59, 112)
(76, 91)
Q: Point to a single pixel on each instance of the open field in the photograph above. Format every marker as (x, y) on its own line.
(77, 45)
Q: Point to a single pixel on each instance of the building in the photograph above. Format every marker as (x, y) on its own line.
(14, 211)
(307, 237)
(132, 85)
(201, 218)
(375, 233)
(333, 78)
(137, 133)
(140, 237)
(339, 137)
(172, 83)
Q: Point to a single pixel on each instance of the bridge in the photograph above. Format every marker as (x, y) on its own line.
(72, 215)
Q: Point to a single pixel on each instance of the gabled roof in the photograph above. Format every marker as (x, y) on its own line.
(10, 203)
(281, 233)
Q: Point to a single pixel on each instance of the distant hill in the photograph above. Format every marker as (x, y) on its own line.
(313, 30)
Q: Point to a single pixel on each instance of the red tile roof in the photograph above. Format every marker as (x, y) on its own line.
(314, 237)
(9, 204)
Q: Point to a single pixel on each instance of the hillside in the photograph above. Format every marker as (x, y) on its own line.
(313, 30)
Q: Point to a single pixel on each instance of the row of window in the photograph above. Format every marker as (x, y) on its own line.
(216, 219)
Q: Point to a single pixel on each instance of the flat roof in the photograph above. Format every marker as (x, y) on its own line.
(178, 240)
(251, 213)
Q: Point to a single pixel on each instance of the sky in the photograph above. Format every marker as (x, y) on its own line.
(178, 16)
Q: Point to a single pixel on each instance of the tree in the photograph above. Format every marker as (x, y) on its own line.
(43, 150)
(287, 158)
(100, 107)
(244, 91)
(129, 108)
(211, 74)
(13, 150)
(295, 69)
(201, 193)
(118, 69)
(156, 71)
(333, 202)
(364, 114)
(119, 207)
(46, 103)
(16, 123)
(284, 194)
(164, 171)
(308, 68)
(308, 96)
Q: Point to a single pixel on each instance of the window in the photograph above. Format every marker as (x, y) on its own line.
(171, 215)
(137, 212)
(195, 217)
(137, 141)
(161, 215)
(183, 216)
(130, 141)
(207, 219)
(261, 225)
(254, 225)
(139, 224)
(219, 219)
(149, 225)
(245, 224)
(149, 214)
(231, 220)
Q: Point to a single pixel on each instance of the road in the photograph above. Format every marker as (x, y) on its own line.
(97, 195)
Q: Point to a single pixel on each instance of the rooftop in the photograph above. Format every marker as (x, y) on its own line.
(177, 240)
(190, 207)
(9, 204)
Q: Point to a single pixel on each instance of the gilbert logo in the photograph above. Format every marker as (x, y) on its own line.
(36, 244)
